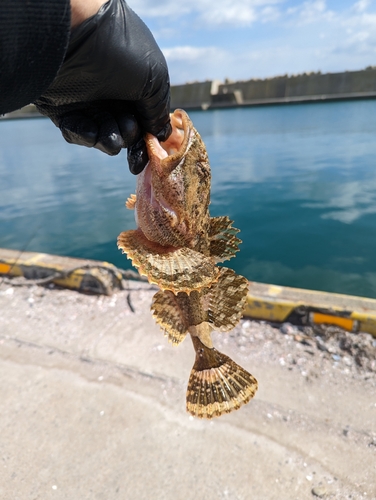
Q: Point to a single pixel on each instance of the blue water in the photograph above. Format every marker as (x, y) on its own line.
(299, 181)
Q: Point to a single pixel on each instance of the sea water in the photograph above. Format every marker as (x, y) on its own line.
(298, 180)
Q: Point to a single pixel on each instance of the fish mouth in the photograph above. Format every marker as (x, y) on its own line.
(156, 203)
(176, 144)
(164, 156)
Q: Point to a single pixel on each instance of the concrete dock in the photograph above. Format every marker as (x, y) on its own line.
(93, 406)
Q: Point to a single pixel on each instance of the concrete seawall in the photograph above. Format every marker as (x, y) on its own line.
(286, 89)
(278, 90)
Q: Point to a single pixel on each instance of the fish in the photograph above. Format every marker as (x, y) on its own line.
(177, 245)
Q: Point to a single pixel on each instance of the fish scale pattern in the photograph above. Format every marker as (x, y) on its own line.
(197, 296)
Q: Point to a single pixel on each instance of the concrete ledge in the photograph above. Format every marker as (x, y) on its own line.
(93, 407)
(299, 306)
(77, 274)
(231, 102)
(266, 302)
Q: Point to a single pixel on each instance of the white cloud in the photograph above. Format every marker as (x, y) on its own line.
(163, 9)
(269, 14)
(356, 34)
(232, 15)
(212, 12)
(235, 12)
(241, 39)
(361, 5)
(185, 62)
(311, 12)
(187, 53)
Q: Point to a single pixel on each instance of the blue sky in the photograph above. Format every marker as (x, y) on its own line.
(244, 39)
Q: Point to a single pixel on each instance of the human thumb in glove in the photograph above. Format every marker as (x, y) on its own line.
(113, 86)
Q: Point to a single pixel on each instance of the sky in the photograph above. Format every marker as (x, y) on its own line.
(244, 39)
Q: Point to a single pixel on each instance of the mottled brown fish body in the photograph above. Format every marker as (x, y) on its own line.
(173, 192)
(177, 246)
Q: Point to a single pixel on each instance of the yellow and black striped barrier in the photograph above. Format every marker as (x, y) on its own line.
(299, 306)
(264, 302)
(78, 274)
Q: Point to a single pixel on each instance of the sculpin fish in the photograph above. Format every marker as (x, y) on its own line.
(177, 245)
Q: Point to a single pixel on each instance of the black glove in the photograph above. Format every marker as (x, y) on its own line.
(112, 87)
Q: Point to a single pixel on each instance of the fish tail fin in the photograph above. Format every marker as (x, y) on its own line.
(217, 384)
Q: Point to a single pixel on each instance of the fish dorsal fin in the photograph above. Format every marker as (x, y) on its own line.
(131, 202)
(169, 316)
(175, 269)
(217, 384)
(223, 240)
(225, 300)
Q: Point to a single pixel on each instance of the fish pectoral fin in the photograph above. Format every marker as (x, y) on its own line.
(169, 316)
(223, 240)
(217, 384)
(225, 300)
(131, 202)
(175, 269)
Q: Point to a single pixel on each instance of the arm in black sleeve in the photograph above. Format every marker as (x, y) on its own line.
(34, 37)
(113, 86)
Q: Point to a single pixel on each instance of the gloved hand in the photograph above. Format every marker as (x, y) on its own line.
(113, 86)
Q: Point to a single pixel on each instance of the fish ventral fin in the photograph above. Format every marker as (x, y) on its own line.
(223, 240)
(175, 269)
(131, 202)
(221, 306)
(170, 316)
(226, 299)
(217, 384)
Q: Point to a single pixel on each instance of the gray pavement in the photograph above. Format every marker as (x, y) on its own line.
(93, 407)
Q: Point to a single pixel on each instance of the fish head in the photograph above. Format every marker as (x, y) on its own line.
(173, 191)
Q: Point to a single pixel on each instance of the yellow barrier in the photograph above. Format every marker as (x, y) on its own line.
(77, 274)
(265, 302)
(279, 303)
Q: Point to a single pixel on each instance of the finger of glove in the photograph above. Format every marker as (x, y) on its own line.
(153, 112)
(96, 128)
(78, 129)
(129, 129)
(137, 157)
(99, 131)
(165, 133)
(154, 122)
(109, 139)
